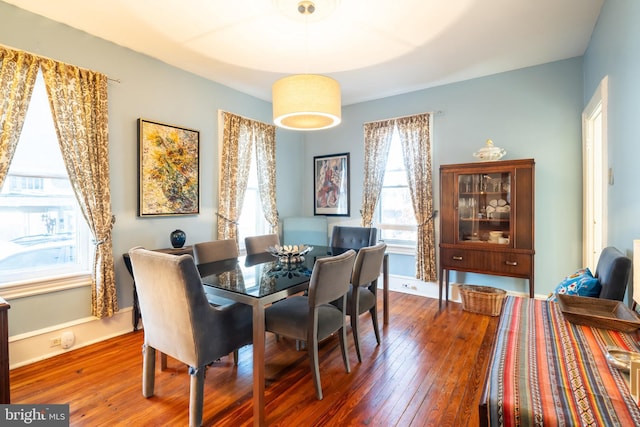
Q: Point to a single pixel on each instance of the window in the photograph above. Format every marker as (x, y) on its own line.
(42, 231)
(252, 221)
(394, 215)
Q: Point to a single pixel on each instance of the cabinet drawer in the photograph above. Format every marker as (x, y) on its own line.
(460, 259)
(506, 263)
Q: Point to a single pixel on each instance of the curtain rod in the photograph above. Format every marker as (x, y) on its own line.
(62, 62)
(433, 113)
(220, 110)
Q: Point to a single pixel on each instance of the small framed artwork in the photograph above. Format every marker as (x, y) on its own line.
(169, 166)
(331, 185)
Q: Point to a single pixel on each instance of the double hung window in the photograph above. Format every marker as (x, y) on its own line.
(42, 230)
(394, 214)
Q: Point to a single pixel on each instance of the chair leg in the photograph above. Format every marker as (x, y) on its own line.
(343, 347)
(374, 319)
(236, 356)
(315, 367)
(163, 361)
(196, 396)
(148, 370)
(356, 334)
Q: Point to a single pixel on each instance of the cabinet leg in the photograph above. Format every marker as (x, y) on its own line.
(446, 289)
(440, 289)
(443, 282)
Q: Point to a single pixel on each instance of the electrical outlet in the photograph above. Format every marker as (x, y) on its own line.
(54, 342)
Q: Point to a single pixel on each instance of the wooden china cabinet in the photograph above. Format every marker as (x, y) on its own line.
(487, 219)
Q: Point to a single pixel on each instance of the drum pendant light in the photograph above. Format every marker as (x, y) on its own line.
(306, 101)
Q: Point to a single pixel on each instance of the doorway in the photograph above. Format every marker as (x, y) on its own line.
(596, 175)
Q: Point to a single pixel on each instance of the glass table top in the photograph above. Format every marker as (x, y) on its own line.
(263, 274)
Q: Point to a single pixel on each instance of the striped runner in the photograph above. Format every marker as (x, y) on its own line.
(547, 371)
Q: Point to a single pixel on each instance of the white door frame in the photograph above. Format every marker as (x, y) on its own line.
(596, 175)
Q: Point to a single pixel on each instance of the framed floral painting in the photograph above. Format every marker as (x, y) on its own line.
(168, 161)
(331, 185)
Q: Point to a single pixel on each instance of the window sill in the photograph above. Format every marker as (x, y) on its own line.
(401, 249)
(44, 286)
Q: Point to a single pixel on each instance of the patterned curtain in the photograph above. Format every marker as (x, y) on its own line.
(234, 173)
(377, 139)
(414, 134)
(78, 100)
(265, 139)
(18, 71)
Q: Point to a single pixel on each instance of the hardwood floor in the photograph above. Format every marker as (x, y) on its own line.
(427, 371)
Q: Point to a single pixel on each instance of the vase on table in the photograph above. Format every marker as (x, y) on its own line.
(178, 237)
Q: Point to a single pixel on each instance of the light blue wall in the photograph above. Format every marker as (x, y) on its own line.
(614, 51)
(533, 113)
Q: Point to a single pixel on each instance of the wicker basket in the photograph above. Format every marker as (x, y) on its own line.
(482, 299)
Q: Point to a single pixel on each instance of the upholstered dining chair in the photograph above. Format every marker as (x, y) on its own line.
(313, 318)
(215, 250)
(362, 296)
(179, 321)
(212, 251)
(260, 244)
(613, 271)
(343, 237)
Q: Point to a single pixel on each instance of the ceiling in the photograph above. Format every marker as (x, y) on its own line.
(374, 48)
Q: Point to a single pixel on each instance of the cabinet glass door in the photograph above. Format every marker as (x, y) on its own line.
(484, 208)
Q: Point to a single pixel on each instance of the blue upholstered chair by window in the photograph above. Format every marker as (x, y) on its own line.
(180, 322)
(353, 237)
(313, 318)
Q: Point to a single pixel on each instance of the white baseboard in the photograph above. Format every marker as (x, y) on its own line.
(410, 285)
(45, 343)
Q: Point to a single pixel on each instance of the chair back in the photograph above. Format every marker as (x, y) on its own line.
(260, 244)
(613, 271)
(353, 237)
(175, 311)
(330, 278)
(368, 264)
(215, 250)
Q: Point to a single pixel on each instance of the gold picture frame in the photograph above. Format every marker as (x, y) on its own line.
(169, 170)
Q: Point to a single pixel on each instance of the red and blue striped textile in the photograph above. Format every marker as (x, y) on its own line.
(547, 371)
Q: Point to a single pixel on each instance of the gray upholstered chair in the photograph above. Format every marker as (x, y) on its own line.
(212, 251)
(613, 272)
(215, 250)
(179, 321)
(352, 237)
(313, 318)
(260, 244)
(362, 296)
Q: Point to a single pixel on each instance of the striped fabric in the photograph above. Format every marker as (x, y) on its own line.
(547, 371)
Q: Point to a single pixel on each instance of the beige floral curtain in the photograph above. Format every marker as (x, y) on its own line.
(234, 173)
(377, 139)
(78, 100)
(414, 134)
(18, 71)
(265, 140)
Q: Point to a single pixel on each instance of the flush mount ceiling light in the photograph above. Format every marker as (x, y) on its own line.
(306, 101)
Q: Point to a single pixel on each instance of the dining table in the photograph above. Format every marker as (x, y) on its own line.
(258, 281)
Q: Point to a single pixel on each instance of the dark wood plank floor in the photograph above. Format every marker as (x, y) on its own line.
(428, 371)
